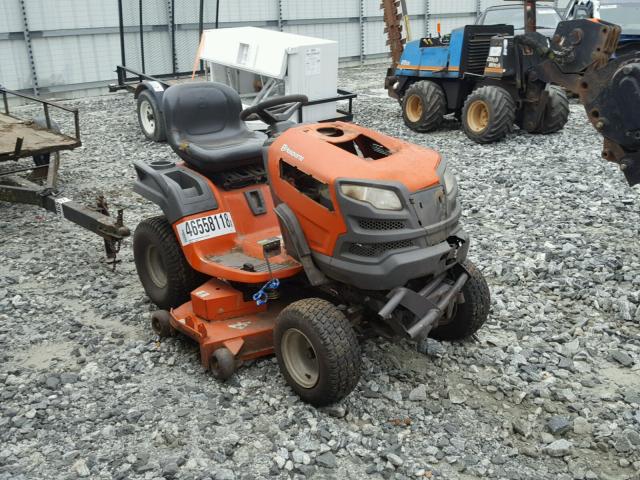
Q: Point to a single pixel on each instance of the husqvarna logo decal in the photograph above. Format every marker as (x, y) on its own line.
(286, 149)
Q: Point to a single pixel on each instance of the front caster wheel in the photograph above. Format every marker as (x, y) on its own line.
(161, 323)
(472, 313)
(317, 351)
(222, 364)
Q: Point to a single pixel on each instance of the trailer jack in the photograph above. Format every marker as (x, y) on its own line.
(15, 189)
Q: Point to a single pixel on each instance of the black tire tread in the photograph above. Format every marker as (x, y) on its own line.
(433, 97)
(159, 135)
(556, 114)
(339, 345)
(473, 313)
(181, 277)
(502, 113)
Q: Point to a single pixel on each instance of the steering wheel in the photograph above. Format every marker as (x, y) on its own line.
(269, 114)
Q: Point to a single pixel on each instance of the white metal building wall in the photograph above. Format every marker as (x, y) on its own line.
(75, 44)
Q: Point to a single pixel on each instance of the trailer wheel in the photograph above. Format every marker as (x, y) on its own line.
(423, 106)
(164, 272)
(43, 159)
(161, 324)
(470, 315)
(317, 351)
(150, 117)
(488, 114)
(222, 364)
(556, 114)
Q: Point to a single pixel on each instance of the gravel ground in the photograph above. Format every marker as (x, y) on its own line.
(549, 390)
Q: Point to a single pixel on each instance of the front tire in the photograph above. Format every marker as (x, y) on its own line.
(317, 351)
(556, 113)
(150, 117)
(424, 106)
(470, 315)
(164, 272)
(488, 114)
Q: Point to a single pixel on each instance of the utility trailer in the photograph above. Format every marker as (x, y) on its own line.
(35, 184)
(286, 64)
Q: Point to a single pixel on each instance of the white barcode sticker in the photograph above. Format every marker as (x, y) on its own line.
(203, 228)
(59, 202)
(495, 51)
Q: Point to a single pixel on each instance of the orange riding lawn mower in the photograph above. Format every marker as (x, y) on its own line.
(293, 240)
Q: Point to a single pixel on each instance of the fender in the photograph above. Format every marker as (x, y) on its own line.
(177, 191)
(155, 88)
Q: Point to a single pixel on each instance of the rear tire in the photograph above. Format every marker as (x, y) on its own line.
(556, 114)
(150, 117)
(424, 106)
(488, 114)
(164, 272)
(317, 351)
(470, 315)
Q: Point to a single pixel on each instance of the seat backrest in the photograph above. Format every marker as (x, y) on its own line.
(197, 110)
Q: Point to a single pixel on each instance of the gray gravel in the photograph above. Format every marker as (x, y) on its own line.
(550, 390)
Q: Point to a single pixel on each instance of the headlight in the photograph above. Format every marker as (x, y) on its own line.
(449, 181)
(378, 197)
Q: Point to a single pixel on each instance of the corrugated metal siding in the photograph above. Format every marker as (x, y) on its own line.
(346, 34)
(70, 14)
(11, 17)
(295, 9)
(14, 70)
(76, 42)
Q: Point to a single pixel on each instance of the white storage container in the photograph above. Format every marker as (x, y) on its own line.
(260, 63)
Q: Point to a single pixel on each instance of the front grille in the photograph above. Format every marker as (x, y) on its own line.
(477, 52)
(377, 249)
(380, 224)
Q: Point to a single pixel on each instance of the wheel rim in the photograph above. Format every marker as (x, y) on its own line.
(155, 265)
(300, 358)
(478, 116)
(147, 118)
(414, 108)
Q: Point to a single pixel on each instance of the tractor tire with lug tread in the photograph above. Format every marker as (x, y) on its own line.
(150, 117)
(488, 114)
(317, 351)
(163, 269)
(222, 364)
(470, 315)
(423, 106)
(556, 114)
(161, 324)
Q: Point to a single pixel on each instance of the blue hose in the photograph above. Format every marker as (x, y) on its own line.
(261, 297)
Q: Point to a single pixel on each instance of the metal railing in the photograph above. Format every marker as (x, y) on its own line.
(45, 104)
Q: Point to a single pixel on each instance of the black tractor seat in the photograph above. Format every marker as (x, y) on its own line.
(203, 127)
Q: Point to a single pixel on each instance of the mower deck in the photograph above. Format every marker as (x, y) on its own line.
(218, 316)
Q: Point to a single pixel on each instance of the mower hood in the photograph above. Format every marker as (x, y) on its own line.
(330, 151)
